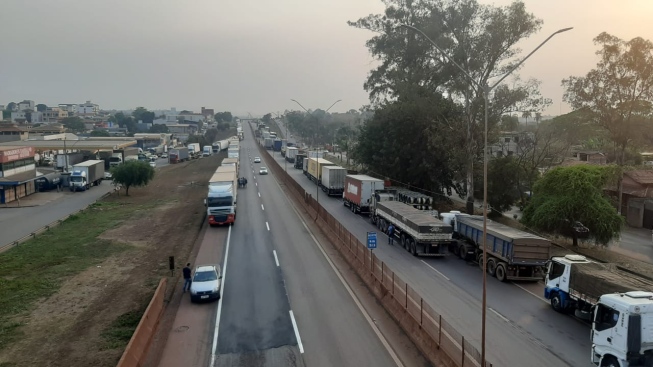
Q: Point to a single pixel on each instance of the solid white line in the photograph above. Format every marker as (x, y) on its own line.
(276, 259)
(262, 207)
(294, 326)
(259, 194)
(435, 270)
(367, 317)
(500, 315)
(531, 293)
(217, 317)
(267, 225)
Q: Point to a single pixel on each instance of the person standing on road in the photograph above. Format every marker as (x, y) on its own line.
(391, 231)
(187, 279)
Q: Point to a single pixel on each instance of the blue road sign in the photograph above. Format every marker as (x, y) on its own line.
(371, 240)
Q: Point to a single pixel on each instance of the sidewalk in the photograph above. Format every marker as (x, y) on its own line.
(36, 199)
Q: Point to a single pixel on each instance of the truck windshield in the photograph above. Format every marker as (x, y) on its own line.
(219, 202)
(75, 179)
(115, 159)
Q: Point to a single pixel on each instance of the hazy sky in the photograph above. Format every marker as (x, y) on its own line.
(247, 55)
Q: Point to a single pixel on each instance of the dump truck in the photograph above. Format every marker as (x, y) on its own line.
(418, 232)
(86, 174)
(333, 180)
(511, 254)
(314, 168)
(178, 155)
(299, 160)
(359, 191)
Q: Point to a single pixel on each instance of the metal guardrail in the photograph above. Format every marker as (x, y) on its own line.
(47, 227)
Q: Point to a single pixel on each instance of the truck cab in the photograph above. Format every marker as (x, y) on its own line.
(557, 283)
(78, 181)
(622, 330)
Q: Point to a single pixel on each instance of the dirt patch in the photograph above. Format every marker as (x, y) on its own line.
(66, 328)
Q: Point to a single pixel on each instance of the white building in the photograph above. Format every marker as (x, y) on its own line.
(511, 143)
(70, 108)
(166, 120)
(54, 114)
(22, 115)
(193, 117)
(26, 105)
(88, 109)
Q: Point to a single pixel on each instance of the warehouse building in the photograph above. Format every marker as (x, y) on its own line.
(17, 172)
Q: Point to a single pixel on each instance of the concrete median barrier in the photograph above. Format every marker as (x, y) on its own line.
(136, 351)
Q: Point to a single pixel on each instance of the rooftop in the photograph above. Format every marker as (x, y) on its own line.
(643, 177)
(86, 144)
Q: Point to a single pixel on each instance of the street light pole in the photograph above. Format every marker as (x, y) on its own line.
(486, 89)
(317, 191)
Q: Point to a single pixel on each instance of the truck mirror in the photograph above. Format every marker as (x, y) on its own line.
(204, 202)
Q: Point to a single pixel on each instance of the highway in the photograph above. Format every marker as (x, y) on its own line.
(521, 326)
(283, 304)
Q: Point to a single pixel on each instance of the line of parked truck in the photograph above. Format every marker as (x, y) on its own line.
(220, 201)
(619, 303)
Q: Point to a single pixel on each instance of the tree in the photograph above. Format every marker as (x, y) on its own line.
(618, 94)
(404, 140)
(222, 126)
(566, 198)
(41, 107)
(6, 114)
(125, 122)
(74, 124)
(211, 135)
(142, 114)
(99, 133)
(223, 117)
(133, 173)
(526, 115)
(509, 123)
(480, 38)
(11, 106)
(503, 184)
(159, 128)
(267, 118)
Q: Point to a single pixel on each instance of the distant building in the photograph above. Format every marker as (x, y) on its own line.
(88, 109)
(190, 116)
(166, 120)
(208, 113)
(17, 172)
(54, 114)
(27, 116)
(591, 157)
(182, 129)
(70, 108)
(26, 105)
(47, 130)
(511, 143)
(11, 132)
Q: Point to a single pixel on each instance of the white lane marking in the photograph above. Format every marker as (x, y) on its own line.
(267, 225)
(276, 259)
(435, 270)
(255, 183)
(259, 194)
(500, 315)
(262, 207)
(294, 326)
(531, 293)
(217, 317)
(367, 317)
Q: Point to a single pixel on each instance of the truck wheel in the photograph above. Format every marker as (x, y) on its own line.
(609, 362)
(455, 250)
(462, 252)
(492, 267)
(402, 240)
(413, 248)
(556, 304)
(501, 272)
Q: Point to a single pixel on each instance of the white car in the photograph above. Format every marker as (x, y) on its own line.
(164, 155)
(205, 285)
(257, 159)
(153, 164)
(263, 171)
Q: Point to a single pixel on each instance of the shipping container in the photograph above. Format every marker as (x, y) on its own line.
(333, 180)
(358, 192)
(314, 170)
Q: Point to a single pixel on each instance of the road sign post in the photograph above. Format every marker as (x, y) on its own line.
(371, 240)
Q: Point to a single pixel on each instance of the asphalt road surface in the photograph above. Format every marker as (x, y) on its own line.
(522, 329)
(16, 223)
(283, 303)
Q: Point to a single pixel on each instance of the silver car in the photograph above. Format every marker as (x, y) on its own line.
(263, 171)
(206, 283)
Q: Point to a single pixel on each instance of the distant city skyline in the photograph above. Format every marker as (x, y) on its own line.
(247, 57)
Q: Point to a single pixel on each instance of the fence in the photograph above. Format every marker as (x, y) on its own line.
(395, 294)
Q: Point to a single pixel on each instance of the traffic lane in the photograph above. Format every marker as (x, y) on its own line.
(333, 331)
(13, 225)
(255, 316)
(567, 337)
(416, 275)
(190, 338)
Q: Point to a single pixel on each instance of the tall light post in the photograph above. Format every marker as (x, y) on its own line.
(317, 191)
(486, 89)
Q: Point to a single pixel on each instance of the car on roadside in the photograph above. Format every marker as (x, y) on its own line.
(164, 155)
(205, 285)
(257, 159)
(153, 164)
(263, 171)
